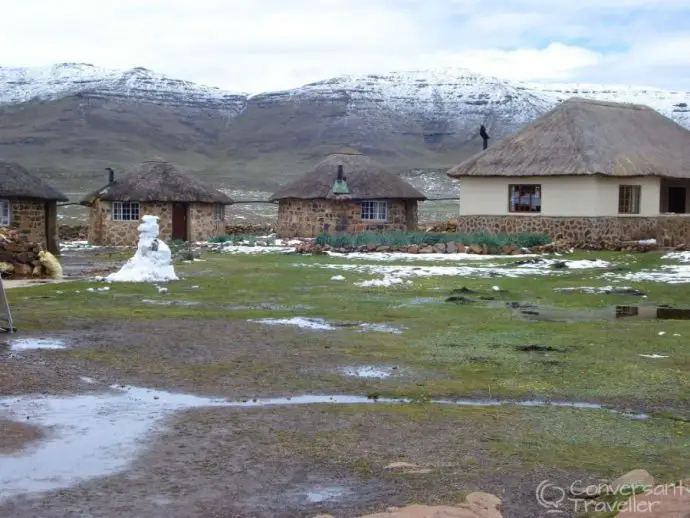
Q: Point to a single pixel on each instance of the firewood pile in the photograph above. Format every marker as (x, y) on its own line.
(20, 257)
(239, 230)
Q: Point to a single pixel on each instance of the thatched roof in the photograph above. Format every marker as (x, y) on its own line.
(584, 137)
(365, 178)
(157, 181)
(17, 182)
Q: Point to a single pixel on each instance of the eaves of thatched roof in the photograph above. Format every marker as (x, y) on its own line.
(157, 181)
(584, 137)
(17, 182)
(366, 180)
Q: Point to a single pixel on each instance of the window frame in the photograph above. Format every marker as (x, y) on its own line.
(218, 210)
(633, 199)
(8, 221)
(517, 188)
(373, 208)
(118, 215)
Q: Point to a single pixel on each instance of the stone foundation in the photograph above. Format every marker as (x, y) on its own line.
(309, 218)
(103, 231)
(29, 217)
(604, 232)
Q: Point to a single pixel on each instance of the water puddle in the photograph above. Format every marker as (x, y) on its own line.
(418, 301)
(27, 344)
(325, 494)
(610, 313)
(320, 324)
(269, 306)
(604, 290)
(369, 371)
(97, 435)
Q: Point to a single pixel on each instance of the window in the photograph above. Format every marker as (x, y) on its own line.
(377, 210)
(524, 198)
(125, 211)
(219, 212)
(629, 199)
(4, 213)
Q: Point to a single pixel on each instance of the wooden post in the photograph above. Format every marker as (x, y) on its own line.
(52, 238)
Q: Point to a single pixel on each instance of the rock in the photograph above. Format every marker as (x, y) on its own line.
(371, 247)
(383, 248)
(440, 248)
(426, 250)
(462, 249)
(451, 248)
(668, 502)
(475, 250)
(6, 268)
(477, 505)
(637, 478)
(413, 249)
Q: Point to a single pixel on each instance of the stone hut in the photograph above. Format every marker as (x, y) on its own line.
(589, 172)
(29, 204)
(346, 192)
(188, 209)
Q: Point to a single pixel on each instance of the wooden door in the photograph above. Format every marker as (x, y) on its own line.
(676, 200)
(179, 221)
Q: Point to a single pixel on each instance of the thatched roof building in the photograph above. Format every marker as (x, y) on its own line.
(158, 181)
(17, 182)
(188, 209)
(366, 179)
(583, 137)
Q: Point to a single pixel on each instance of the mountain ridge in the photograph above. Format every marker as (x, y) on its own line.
(69, 121)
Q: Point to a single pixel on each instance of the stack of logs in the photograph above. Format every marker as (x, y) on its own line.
(73, 232)
(445, 226)
(19, 256)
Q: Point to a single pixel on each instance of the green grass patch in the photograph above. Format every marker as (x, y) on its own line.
(494, 242)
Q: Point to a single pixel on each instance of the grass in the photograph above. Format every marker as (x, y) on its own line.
(454, 351)
(495, 242)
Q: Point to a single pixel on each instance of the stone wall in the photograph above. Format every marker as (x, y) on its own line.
(201, 222)
(29, 217)
(671, 230)
(104, 231)
(308, 218)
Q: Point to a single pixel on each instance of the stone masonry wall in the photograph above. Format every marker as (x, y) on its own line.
(669, 230)
(202, 224)
(29, 217)
(104, 231)
(308, 218)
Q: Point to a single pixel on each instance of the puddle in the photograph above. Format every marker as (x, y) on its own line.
(418, 301)
(320, 324)
(610, 313)
(98, 435)
(26, 344)
(368, 371)
(325, 494)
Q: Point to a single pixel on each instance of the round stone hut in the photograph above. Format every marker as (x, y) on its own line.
(346, 192)
(29, 204)
(188, 209)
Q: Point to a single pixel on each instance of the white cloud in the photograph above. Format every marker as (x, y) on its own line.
(272, 44)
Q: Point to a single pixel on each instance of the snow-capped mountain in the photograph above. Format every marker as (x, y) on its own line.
(416, 122)
(22, 84)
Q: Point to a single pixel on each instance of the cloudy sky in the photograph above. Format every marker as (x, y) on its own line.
(258, 45)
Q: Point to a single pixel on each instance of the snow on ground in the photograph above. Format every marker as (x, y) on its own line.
(246, 249)
(671, 274)
(26, 344)
(401, 274)
(319, 324)
(683, 257)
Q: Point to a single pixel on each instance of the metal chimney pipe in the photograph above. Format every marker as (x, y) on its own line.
(111, 174)
(340, 173)
(485, 136)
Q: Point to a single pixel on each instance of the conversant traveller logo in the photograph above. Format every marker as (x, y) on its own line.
(587, 498)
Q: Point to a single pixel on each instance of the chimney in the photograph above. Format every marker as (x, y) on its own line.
(111, 175)
(485, 136)
(340, 186)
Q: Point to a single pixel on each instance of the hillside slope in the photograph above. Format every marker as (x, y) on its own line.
(71, 121)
